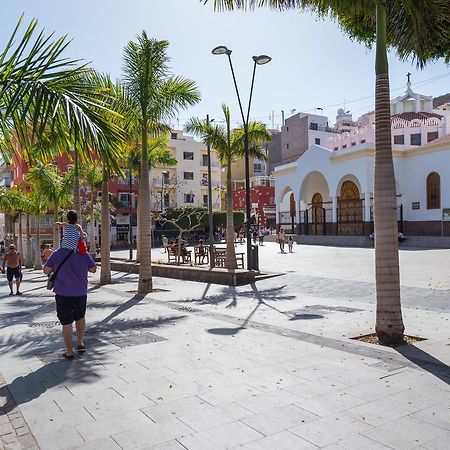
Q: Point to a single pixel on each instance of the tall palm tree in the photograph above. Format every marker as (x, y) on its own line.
(105, 249)
(417, 30)
(229, 144)
(38, 206)
(53, 186)
(154, 96)
(93, 177)
(158, 155)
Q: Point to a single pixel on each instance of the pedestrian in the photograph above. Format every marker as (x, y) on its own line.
(165, 242)
(290, 243)
(47, 252)
(13, 263)
(70, 288)
(254, 236)
(72, 231)
(2, 250)
(261, 234)
(281, 239)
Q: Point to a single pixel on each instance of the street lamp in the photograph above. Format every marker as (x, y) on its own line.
(257, 60)
(164, 174)
(130, 213)
(210, 211)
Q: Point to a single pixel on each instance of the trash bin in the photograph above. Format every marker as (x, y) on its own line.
(255, 257)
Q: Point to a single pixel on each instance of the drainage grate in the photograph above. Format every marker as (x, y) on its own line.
(133, 339)
(184, 308)
(51, 324)
(334, 308)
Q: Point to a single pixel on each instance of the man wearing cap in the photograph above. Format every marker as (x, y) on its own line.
(13, 264)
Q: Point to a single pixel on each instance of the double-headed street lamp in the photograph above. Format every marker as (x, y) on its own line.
(257, 60)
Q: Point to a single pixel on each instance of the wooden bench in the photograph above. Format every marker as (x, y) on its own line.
(220, 255)
(199, 258)
(172, 256)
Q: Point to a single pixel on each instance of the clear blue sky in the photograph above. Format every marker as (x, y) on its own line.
(314, 64)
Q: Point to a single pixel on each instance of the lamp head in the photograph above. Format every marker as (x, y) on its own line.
(221, 50)
(262, 59)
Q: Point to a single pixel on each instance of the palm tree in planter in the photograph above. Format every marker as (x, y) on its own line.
(154, 96)
(229, 145)
(416, 30)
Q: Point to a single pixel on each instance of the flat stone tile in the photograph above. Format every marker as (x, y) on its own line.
(375, 389)
(330, 404)
(309, 389)
(437, 415)
(357, 442)
(206, 418)
(60, 439)
(229, 394)
(224, 436)
(264, 402)
(329, 430)
(98, 444)
(440, 443)
(279, 419)
(283, 440)
(174, 391)
(107, 426)
(152, 434)
(190, 406)
(378, 412)
(405, 433)
(169, 445)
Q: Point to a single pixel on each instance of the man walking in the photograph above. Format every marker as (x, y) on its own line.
(47, 252)
(13, 264)
(71, 293)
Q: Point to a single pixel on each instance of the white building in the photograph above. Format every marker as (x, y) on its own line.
(329, 188)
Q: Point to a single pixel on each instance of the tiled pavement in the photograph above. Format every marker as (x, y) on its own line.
(230, 368)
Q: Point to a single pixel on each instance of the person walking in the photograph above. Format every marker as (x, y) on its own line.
(2, 250)
(290, 243)
(165, 242)
(70, 290)
(47, 252)
(13, 263)
(261, 234)
(281, 239)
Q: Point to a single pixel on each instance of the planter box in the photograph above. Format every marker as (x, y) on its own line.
(226, 277)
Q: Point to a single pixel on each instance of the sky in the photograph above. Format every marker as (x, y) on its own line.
(314, 64)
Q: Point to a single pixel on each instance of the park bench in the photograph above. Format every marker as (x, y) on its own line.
(220, 255)
(199, 258)
(172, 256)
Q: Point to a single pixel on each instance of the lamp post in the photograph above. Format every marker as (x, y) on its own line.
(257, 60)
(164, 174)
(130, 214)
(210, 211)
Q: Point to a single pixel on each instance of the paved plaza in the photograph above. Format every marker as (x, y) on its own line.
(265, 366)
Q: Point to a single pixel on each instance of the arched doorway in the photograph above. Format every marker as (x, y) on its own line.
(317, 214)
(350, 210)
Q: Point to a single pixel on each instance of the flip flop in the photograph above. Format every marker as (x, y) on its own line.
(69, 357)
(81, 349)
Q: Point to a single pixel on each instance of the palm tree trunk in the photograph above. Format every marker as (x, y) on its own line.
(76, 186)
(105, 271)
(56, 230)
(91, 227)
(389, 322)
(29, 257)
(19, 241)
(145, 284)
(37, 254)
(138, 239)
(230, 257)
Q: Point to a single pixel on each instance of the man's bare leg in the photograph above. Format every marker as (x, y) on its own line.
(80, 326)
(10, 287)
(67, 336)
(18, 281)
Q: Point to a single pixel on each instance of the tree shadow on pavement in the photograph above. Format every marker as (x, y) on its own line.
(59, 372)
(426, 361)
(262, 298)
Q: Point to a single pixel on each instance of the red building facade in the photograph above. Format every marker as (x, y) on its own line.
(263, 204)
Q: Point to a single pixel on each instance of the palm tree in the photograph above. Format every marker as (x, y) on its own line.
(154, 96)
(105, 250)
(229, 144)
(38, 206)
(158, 155)
(415, 29)
(93, 177)
(54, 187)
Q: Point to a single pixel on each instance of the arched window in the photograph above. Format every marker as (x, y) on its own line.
(433, 191)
